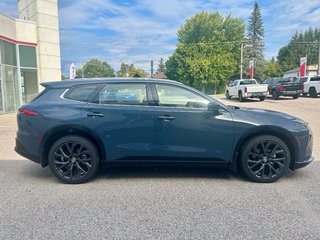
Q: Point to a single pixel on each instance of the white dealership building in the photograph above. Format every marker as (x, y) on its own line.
(29, 51)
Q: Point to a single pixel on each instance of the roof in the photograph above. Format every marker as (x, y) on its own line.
(160, 75)
(70, 83)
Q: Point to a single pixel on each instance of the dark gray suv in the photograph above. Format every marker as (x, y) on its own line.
(75, 126)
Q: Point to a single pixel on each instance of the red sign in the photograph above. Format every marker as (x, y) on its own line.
(303, 67)
(251, 69)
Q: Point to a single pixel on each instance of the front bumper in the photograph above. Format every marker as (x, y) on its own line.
(298, 165)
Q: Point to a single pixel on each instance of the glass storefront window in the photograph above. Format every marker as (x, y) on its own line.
(27, 56)
(8, 53)
(10, 88)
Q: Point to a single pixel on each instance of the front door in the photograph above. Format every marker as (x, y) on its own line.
(186, 130)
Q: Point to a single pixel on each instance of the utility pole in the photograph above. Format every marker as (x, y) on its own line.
(241, 60)
(151, 70)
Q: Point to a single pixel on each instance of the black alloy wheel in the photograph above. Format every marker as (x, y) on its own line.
(265, 159)
(240, 97)
(73, 159)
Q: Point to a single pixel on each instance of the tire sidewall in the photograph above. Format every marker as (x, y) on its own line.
(247, 147)
(93, 151)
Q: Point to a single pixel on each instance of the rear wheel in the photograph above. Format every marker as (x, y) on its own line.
(265, 159)
(275, 95)
(313, 92)
(295, 96)
(262, 98)
(74, 159)
(240, 97)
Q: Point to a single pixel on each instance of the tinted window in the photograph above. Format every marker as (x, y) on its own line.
(27, 56)
(248, 82)
(315, 79)
(172, 96)
(124, 93)
(301, 80)
(82, 92)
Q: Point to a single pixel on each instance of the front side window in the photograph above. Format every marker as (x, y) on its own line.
(172, 96)
(124, 94)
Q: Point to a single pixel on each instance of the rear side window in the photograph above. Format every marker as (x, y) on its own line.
(82, 93)
(123, 94)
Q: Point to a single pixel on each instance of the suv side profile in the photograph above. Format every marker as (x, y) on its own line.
(75, 126)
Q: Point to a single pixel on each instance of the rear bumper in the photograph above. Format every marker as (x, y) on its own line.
(24, 153)
(258, 94)
(290, 93)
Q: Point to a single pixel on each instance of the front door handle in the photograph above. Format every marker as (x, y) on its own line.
(95, 114)
(166, 118)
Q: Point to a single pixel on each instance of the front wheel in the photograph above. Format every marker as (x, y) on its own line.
(265, 159)
(74, 159)
(228, 95)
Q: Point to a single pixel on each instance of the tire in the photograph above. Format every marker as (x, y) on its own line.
(240, 97)
(313, 92)
(304, 94)
(295, 96)
(275, 95)
(262, 98)
(74, 159)
(228, 95)
(265, 159)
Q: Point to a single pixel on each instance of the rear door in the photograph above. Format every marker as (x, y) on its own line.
(186, 130)
(121, 116)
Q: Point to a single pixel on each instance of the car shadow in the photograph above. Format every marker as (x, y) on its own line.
(244, 100)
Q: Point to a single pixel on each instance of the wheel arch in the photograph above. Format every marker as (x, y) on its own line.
(279, 132)
(61, 131)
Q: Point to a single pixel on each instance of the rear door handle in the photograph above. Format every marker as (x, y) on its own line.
(95, 115)
(166, 118)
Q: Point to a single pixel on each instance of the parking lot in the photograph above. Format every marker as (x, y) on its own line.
(161, 203)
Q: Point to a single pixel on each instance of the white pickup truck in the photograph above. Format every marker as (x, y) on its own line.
(247, 88)
(311, 86)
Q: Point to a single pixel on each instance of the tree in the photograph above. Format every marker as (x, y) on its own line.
(161, 66)
(300, 45)
(254, 47)
(207, 52)
(272, 69)
(95, 68)
(127, 70)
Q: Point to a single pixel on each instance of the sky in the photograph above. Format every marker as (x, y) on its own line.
(138, 31)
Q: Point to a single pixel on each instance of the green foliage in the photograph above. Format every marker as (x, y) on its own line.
(208, 50)
(95, 69)
(161, 66)
(272, 69)
(127, 70)
(255, 44)
(63, 77)
(299, 46)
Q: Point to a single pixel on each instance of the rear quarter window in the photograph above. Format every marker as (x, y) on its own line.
(82, 93)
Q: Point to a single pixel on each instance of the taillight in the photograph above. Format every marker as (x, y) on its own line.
(281, 88)
(245, 89)
(28, 112)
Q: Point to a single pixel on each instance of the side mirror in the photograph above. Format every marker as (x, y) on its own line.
(213, 107)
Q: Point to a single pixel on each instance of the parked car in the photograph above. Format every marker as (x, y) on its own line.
(284, 87)
(311, 85)
(246, 88)
(302, 80)
(75, 126)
